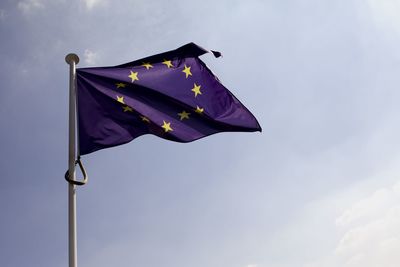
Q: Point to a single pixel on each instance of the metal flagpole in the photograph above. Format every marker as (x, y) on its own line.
(72, 60)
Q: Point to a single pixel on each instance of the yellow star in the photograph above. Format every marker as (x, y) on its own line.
(120, 99)
(167, 126)
(120, 85)
(134, 76)
(187, 71)
(127, 108)
(147, 65)
(199, 110)
(184, 115)
(168, 63)
(145, 119)
(196, 90)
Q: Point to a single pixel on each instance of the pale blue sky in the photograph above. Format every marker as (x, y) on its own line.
(318, 188)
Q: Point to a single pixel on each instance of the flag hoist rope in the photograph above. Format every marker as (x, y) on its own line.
(70, 175)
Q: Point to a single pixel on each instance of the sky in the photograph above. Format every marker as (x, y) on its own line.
(319, 187)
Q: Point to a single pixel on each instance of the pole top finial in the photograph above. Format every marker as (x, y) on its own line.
(72, 58)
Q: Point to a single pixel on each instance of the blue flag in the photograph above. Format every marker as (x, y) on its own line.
(172, 95)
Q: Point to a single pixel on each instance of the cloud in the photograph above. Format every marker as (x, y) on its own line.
(90, 57)
(370, 232)
(90, 4)
(385, 14)
(365, 208)
(27, 6)
(373, 236)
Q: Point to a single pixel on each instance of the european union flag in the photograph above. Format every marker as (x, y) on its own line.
(172, 95)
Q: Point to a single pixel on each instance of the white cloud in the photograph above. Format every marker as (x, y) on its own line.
(90, 57)
(365, 208)
(370, 232)
(28, 6)
(90, 4)
(373, 233)
(386, 14)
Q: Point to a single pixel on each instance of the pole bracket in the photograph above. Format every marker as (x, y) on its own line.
(75, 182)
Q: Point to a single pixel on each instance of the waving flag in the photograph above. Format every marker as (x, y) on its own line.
(172, 95)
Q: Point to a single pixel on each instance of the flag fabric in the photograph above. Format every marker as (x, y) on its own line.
(172, 95)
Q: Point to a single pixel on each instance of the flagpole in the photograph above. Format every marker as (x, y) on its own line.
(72, 60)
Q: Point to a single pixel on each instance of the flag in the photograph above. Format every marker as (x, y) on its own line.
(172, 95)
